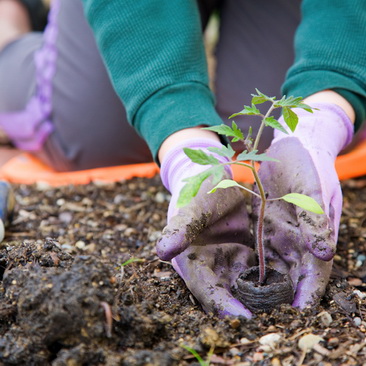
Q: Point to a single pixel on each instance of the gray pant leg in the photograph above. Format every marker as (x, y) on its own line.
(90, 127)
(255, 49)
(17, 81)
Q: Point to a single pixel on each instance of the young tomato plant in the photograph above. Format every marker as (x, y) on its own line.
(247, 159)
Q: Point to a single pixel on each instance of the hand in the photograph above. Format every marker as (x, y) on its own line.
(210, 271)
(297, 241)
(203, 236)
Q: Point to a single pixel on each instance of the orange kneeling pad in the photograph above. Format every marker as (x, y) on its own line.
(27, 169)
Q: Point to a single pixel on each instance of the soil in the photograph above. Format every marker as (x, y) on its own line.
(81, 285)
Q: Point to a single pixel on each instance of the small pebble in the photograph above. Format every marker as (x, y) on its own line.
(129, 231)
(258, 356)
(308, 341)
(271, 340)
(325, 318)
(358, 264)
(67, 247)
(91, 247)
(235, 352)
(60, 202)
(275, 362)
(118, 199)
(333, 342)
(160, 197)
(361, 295)
(357, 321)
(235, 323)
(361, 257)
(245, 341)
(80, 244)
(65, 217)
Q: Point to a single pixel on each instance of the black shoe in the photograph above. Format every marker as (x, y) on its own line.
(38, 13)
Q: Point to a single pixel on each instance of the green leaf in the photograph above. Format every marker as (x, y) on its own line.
(260, 98)
(272, 122)
(250, 111)
(238, 134)
(252, 155)
(293, 102)
(226, 183)
(303, 201)
(191, 188)
(290, 118)
(193, 184)
(226, 151)
(217, 174)
(228, 131)
(200, 157)
(307, 108)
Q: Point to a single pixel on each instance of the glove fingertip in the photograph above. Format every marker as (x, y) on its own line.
(309, 292)
(168, 248)
(234, 308)
(323, 250)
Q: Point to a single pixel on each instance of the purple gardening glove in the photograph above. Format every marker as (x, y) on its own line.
(202, 238)
(298, 241)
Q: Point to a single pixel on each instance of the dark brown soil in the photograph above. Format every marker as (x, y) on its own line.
(68, 297)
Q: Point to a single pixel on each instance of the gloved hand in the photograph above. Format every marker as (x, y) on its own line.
(203, 237)
(298, 241)
(7, 202)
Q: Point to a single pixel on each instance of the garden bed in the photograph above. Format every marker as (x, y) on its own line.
(81, 285)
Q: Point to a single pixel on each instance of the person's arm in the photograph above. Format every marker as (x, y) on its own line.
(329, 72)
(330, 54)
(155, 56)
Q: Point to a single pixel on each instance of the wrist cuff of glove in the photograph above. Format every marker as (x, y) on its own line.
(328, 122)
(177, 166)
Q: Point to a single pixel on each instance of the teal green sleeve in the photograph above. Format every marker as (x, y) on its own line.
(154, 53)
(330, 52)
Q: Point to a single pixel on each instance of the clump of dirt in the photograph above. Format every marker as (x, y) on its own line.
(81, 285)
(55, 308)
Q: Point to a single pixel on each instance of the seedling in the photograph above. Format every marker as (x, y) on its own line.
(132, 260)
(200, 360)
(247, 159)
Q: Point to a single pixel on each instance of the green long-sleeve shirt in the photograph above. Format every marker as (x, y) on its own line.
(154, 53)
(330, 52)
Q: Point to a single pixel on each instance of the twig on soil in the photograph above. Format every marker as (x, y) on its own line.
(307, 330)
(109, 318)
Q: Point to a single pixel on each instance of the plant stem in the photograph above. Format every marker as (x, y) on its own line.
(260, 131)
(260, 244)
(260, 224)
(253, 171)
